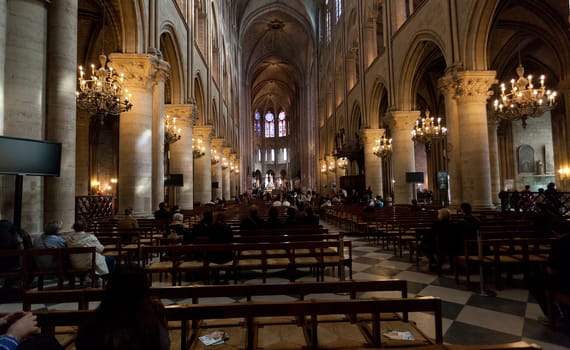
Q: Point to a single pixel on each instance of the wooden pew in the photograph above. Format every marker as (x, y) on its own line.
(308, 313)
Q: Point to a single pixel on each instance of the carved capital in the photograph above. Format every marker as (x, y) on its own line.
(203, 132)
(371, 135)
(403, 121)
(447, 86)
(140, 70)
(474, 84)
(180, 112)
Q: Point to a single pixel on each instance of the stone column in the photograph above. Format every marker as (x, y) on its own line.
(472, 94)
(24, 99)
(203, 166)
(492, 125)
(370, 43)
(331, 173)
(226, 173)
(403, 159)
(59, 201)
(217, 144)
(447, 89)
(163, 68)
(136, 141)
(372, 163)
(181, 160)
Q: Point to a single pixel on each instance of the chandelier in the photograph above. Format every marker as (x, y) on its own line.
(332, 166)
(215, 157)
(383, 147)
(102, 93)
(342, 163)
(171, 133)
(427, 129)
(224, 163)
(323, 167)
(524, 100)
(198, 149)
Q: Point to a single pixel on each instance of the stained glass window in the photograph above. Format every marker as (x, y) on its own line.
(282, 124)
(257, 123)
(269, 124)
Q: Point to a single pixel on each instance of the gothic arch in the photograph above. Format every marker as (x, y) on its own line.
(200, 101)
(405, 98)
(175, 86)
(133, 25)
(378, 98)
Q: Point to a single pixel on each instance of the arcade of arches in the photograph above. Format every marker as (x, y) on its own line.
(282, 94)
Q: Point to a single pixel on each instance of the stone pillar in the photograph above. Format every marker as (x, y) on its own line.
(372, 163)
(203, 166)
(136, 141)
(472, 94)
(24, 99)
(226, 173)
(351, 71)
(403, 159)
(447, 88)
(158, 171)
(59, 201)
(331, 174)
(370, 43)
(217, 144)
(492, 125)
(181, 160)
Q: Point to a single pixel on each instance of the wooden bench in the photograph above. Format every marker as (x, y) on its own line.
(501, 254)
(249, 256)
(61, 270)
(249, 331)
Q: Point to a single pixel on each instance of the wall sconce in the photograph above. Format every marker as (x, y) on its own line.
(198, 149)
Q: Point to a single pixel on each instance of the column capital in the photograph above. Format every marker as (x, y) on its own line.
(182, 112)
(492, 121)
(447, 85)
(371, 135)
(226, 152)
(204, 132)
(140, 70)
(217, 143)
(403, 120)
(474, 84)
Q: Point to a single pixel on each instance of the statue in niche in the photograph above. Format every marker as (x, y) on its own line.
(526, 159)
(539, 167)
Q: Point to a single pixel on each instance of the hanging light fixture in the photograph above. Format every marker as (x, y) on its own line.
(428, 128)
(323, 166)
(102, 94)
(342, 163)
(198, 149)
(524, 100)
(383, 147)
(215, 157)
(171, 133)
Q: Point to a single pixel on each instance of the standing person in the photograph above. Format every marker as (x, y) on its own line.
(80, 238)
(49, 239)
(128, 221)
(128, 318)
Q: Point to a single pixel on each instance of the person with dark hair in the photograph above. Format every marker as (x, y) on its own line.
(80, 238)
(128, 221)
(49, 239)
(128, 318)
(163, 211)
(310, 217)
(273, 220)
(469, 224)
(252, 221)
(415, 206)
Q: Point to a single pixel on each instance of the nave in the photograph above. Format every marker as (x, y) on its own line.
(468, 318)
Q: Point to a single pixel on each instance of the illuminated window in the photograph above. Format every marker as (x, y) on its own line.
(269, 125)
(282, 124)
(257, 123)
(338, 8)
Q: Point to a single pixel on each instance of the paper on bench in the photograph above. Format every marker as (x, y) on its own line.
(395, 335)
(214, 338)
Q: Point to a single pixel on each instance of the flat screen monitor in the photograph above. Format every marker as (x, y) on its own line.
(176, 180)
(414, 177)
(29, 157)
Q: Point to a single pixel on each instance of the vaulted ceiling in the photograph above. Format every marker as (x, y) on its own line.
(277, 40)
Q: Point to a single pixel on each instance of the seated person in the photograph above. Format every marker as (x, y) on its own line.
(11, 237)
(437, 243)
(273, 220)
(80, 238)
(220, 232)
(310, 217)
(49, 239)
(177, 228)
(128, 221)
(163, 211)
(252, 221)
(415, 206)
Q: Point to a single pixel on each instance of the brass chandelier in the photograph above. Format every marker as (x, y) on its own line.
(171, 133)
(524, 100)
(102, 94)
(428, 128)
(383, 147)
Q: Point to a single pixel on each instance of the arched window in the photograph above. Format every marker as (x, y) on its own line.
(269, 124)
(257, 123)
(282, 124)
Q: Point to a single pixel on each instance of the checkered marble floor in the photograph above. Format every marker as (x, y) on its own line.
(469, 318)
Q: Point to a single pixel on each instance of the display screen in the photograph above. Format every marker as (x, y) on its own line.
(29, 157)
